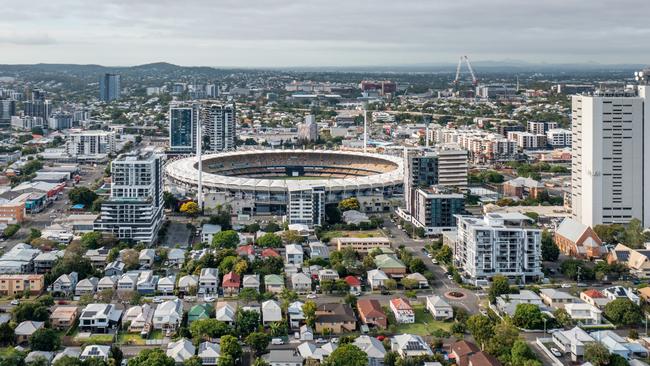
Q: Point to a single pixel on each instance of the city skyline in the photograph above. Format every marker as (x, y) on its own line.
(277, 33)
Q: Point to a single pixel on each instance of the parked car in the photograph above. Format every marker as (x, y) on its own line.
(312, 296)
(556, 352)
(566, 285)
(334, 340)
(321, 340)
(277, 341)
(15, 302)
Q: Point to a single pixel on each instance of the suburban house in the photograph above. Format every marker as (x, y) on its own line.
(188, 284)
(147, 282)
(318, 250)
(594, 297)
(251, 281)
(572, 341)
(37, 357)
(25, 330)
(402, 310)
(269, 252)
(128, 281)
(377, 279)
(372, 347)
(199, 311)
(209, 353)
(226, 312)
(64, 285)
(618, 345)
(86, 286)
(295, 314)
(300, 283)
(168, 315)
(63, 317)
(327, 275)
(147, 257)
(115, 268)
(620, 292)
(578, 240)
(337, 318)
(106, 283)
(181, 350)
(95, 351)
(439, 308)
(273, 283)
(555, 298)
(293, 254)
(507, 303)
(175, 257)
(410, 345)
(371, 313)
(166, 285)
(97, 257)
(271, 312)
(421, 280)
(283, 358)
(208, 281)
(231, 283)
(141, 318)
(306, 333)
(309, 350)
(636, 260)
(468, 354)
(208, 231)
(354, 283)
(584, 313)
(389, 264)
(11, 285)
(99, 318)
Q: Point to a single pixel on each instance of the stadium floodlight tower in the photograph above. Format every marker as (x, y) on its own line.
(365, 127)
(199, 145)
(642, 76)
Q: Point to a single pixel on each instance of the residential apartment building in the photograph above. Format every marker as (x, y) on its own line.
(92, 142)
(610, 156)
(219, 124)
(362, 245)
(109, 87)
(11, 285)
(558, 137)
(306, 206)
(183, 124)
(498, 244)
(134, 210)
(435, 209)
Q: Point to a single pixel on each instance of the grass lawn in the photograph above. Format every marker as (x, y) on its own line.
(157, 334)
(424, 323)
(131, 339)
(95, 339)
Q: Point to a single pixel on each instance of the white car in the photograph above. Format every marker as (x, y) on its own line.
(277, 341)
(209, 299)
(321, 340)
(434, 261)
(312, 296)
(15, 302)
(334, 340)
(566, 285)
(556, 352)
(450, 277)
(429, 255)
(157, 300)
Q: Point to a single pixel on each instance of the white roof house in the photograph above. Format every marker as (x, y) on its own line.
(410, 345)
(167, 284)
(439, 308)
(86, 286)
(176, 256)
(28, 327)
(188, 281)
(584, 313)
(209, 353)
(300, 282)
(106, 283)
(295, 314)
(619, 345)
(310, 350)
(225, 312)
(572, 341)
(372, 347)
(376, 278)
(168, 315)
(181, 350)
(95, 351)
(251, 281)
(271, 311)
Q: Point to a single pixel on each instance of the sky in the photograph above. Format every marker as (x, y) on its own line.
(284, 33)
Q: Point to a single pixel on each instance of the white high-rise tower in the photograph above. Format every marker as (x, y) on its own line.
(611, 156)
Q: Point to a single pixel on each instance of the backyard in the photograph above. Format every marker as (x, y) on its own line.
(424, 323)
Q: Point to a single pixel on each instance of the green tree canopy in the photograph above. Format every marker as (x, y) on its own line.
(152, 357)
(82, 195)
(623, 312)
(269, 240)
(347, 355)
(45, 339)
(347, 204)
(225, 239)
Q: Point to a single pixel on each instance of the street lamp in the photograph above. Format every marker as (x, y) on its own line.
(545, 325)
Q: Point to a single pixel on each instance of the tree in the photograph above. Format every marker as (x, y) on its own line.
(31, 311)
(194, 361)
(6, 334)
(390, 284)
(131, 259)
(12, 357)
(247, 321)
(503, 337)
(390, 358)
(248, 294)
(572, 267)
(209, 328)
(528, 316)
(225, 239)
(91, 240)
(550, 251)
(170, 201)
(269, 240)
(293, 236)
(34, 234)
(609, 233)
(633, 234)
(45, 339)
(258, 342)
(260, 362)
(480, 327)
(82, 195)
(563, 318)
(351, 300)
(332, 214)
(347, 355)
(116, 354)
(521, 354)
(225, 360)
(309, 310)
(68, 361)
(596, 353)
(623, 312)
(152, 357)
(230, 346)
(417, 265)
(347, 204)
(498, 287)
(271, 227)
(409, 283)
(10, 231)
(190, 208)
(444, 255)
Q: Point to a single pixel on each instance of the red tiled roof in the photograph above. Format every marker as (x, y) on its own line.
(352, 281)
(231, 279)
(268, 252)
(594, 294)
(246, 249)
(401, 304)
(464, 348)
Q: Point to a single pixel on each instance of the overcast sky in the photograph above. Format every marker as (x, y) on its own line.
(322, 33)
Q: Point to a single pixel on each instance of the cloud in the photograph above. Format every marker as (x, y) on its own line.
(23, 39)
(333, 32)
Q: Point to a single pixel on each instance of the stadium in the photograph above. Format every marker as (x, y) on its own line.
(296, 183)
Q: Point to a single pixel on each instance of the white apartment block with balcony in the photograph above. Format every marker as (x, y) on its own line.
(611, 156)
(90, 142)
(134, 210)
(498, 244)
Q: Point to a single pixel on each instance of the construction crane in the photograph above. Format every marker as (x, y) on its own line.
(469, 67)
